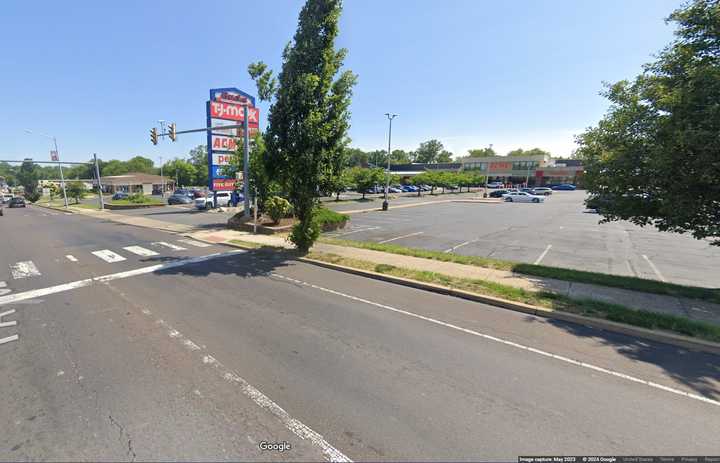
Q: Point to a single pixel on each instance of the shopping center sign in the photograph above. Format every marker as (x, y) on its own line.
(227, 107)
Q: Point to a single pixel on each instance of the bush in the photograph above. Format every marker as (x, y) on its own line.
(305, 234)
(33, 196)
(277, 208)
(138, 198)
(324, 216)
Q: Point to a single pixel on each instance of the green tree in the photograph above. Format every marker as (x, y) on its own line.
(530, 152)
(199, 160)
(364, 179)
(76, 190)
(114, 167)
(181, 170)
(140, 164)
(355, 157)
(653, 159)
(377, 158)
(481, 152)
(444, 156)
(401, 157)
(428, 152)
(309, 119)
(339, 183)
(28, 176)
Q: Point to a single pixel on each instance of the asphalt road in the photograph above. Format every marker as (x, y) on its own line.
(193, 361)
(559, 232)
(181, 214)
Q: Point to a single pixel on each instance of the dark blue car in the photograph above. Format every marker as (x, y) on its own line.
(564, 187)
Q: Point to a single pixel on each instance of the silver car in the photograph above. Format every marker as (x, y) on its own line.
(522, 197)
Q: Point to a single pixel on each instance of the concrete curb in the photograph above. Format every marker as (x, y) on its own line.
(53, 208)
(657, 336)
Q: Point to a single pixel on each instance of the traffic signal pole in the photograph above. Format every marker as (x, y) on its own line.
(246, 164)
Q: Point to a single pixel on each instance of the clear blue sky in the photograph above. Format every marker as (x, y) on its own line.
(527, 73)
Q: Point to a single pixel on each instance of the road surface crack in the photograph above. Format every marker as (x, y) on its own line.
(122, 436)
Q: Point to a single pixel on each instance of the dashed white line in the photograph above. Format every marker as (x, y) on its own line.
(71, 258)
(516, 345)
(35, 293)
(198, 244)
(14, 337)
(655, 269)
(400, 237)
(25, 269)
(294, 425)
(108, 256)
(542, 256)
(140, 251)
(174, 247)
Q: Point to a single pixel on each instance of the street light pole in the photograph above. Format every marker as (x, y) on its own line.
(162, 179)
(387, 174)
(62, 178)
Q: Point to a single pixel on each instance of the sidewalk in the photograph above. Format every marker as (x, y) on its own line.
(683, 307)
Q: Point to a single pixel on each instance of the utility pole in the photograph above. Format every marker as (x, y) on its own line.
(97, 175)
(387, 175)
(57, 154)
(162, 178)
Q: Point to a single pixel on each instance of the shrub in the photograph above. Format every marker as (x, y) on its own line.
(324, 216)
(33, 196)
(138, 198)
(277, 208)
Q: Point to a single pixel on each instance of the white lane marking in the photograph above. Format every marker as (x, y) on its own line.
(198, 244)
(401, 237)
(542, 256)
(140, 251)
(174, 247)
(35, 293)
(461, 245)
(108, 256)
(578, 363)
(357, 231)
(294, 425)
(630, 269)
(655, 269)
(10, 323)
(25, 269)
(71, 258)
(14, 337)
(4, 291)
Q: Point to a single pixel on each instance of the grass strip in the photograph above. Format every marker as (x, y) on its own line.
(587, 307)
(579, 276)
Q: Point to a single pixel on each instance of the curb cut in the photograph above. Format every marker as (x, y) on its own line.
(657, 336)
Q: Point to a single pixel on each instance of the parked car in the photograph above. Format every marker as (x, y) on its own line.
(182, 191)
(5, 198)
(120, 195)
(223, 199)
(17, 201)
(180, 199)
(425, 187)
(394, 189)
(198, 193)
(527, 190)
(541, 190)
(495, 185)
(522, 197)
(497, 193)
(565, 187)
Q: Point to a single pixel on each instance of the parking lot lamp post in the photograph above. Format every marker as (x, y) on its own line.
(387, 174)
(162, 179)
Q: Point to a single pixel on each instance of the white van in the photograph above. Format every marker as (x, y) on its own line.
(223, 199)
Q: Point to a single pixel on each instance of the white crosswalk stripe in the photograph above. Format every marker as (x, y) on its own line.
(71, 258)
(174, 247)
(199, 244)
(25, 269)
(108, 256)
(140, 251)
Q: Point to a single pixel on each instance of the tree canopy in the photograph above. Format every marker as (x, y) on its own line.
(530, 152)
(481, 152)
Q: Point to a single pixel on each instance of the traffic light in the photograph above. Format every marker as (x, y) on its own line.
(172, 133)
(153, 136)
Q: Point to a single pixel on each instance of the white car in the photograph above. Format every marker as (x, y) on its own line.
(5, 198)
(495, 185)
(223, 199)
(522, 197)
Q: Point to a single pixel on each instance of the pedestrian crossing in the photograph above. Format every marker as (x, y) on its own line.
(28, 269)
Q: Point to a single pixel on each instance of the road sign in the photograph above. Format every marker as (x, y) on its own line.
(54, 156)
(227, 107)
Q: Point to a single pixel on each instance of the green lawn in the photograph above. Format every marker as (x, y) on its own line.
(580, 276)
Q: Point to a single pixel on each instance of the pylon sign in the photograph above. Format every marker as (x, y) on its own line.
(226, 107)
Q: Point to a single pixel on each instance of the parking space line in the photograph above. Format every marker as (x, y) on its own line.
(198, 244)
(356, 231)
(542, 256)
(174, 247)
(655, 269)
(10, 323)
(14, 337)
(71, 258)
(461, 245)
(400, 237)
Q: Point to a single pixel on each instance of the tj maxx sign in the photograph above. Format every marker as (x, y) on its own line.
(233, 112)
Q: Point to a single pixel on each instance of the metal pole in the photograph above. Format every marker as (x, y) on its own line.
(387, 175)
(162, 179)
(97, 174)
(255, 213)
(246, 163)
(62, 178)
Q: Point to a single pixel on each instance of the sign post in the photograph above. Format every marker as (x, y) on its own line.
(54, 156)
(229, 107)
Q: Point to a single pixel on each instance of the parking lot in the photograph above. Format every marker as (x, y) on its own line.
(559, 232)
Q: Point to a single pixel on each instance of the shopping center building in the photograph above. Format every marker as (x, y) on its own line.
(540, 170)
